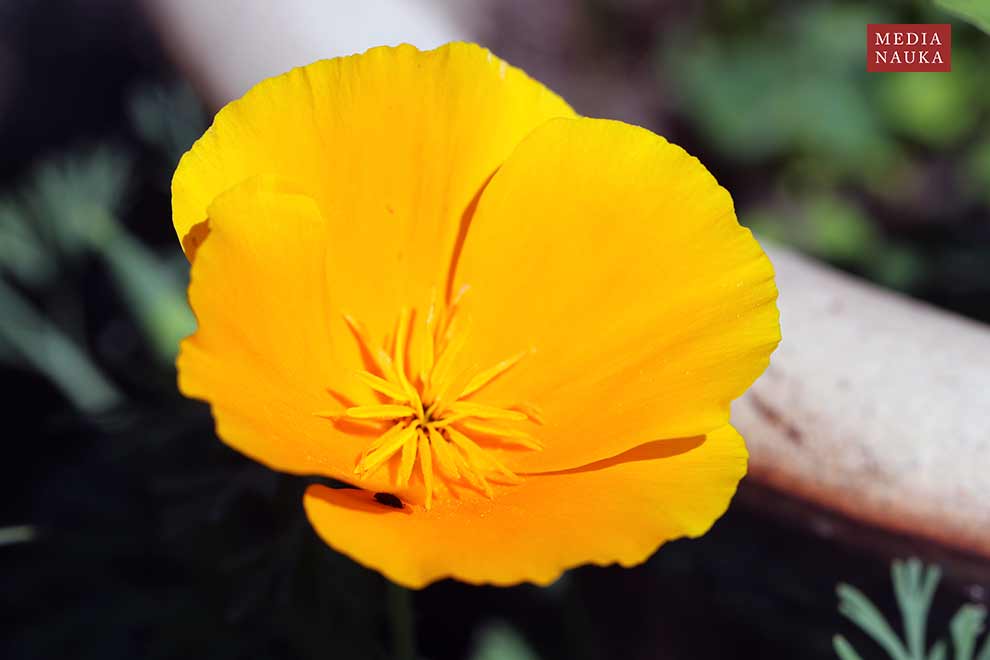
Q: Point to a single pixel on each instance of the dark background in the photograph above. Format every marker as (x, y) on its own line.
(130, 531)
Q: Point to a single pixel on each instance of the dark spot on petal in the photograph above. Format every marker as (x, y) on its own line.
(388, 499)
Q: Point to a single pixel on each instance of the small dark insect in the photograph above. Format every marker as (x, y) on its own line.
(388, 499)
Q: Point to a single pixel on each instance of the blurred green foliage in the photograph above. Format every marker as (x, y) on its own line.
(884, 174)
(171, 119)
(791, 86)
(499, 641)
(914, 588)
(976, 12)
(69, 208)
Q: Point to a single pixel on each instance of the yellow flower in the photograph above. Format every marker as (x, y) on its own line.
(515, 330)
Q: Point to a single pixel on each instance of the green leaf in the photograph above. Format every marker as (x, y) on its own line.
(21, 249)
(938, 651)
(976, 12)
(76, 197)
(914, 588)
(498, 641)
(41, 344)
(860, 610)
(151, 290)
(965, 627)
(844, 649)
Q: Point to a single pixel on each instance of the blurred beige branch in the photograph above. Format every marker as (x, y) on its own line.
(225, 46)
(875, 406)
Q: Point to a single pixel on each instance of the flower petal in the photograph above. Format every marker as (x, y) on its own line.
(617, 258)
(616, 511)
(264, 350)
(394, 143)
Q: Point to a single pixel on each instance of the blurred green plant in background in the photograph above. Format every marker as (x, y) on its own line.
(976, 12)
(499, 641)
(70, 207)
(886, 175)
(914, 587)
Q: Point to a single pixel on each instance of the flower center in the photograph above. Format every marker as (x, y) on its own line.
(427, 415)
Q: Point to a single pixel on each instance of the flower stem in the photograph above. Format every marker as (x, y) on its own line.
(400, 609)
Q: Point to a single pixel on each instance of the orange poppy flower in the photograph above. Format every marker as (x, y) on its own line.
(515, 330)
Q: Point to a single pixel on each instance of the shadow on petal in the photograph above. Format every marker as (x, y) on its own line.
(645, 452)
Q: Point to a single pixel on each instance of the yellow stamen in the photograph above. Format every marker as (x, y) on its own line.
(380, 440)
(427, 344)
(399, 357)
(465, 409)
(376, 459)
(471, 474)
(378, 355)
(445, 456)
(382, 411)
(444, 327)
(532, 411)
(408, 459)
(455, 303)
(442, 379)
(383, 386)
(488, 375)
(479, 456)
(426, 466)
(448, 437)
(511, 436)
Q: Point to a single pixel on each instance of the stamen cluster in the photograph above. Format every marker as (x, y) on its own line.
(425, 421)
